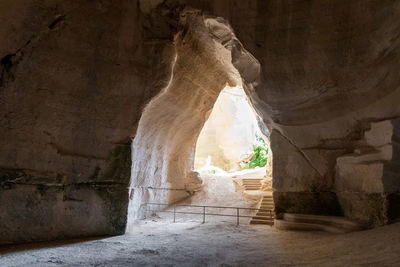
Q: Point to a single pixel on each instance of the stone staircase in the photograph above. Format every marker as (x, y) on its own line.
(264, 217)
(307, 222)
(251, 184)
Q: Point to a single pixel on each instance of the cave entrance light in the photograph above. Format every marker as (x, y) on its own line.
(230, 138)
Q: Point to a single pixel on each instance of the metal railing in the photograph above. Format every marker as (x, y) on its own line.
(204, 213)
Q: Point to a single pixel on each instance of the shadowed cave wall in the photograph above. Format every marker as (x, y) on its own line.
(76, 76)
(74, 79)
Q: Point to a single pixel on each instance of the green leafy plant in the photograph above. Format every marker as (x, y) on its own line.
(260, 154)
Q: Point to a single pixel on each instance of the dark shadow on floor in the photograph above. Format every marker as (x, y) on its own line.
(4, 249)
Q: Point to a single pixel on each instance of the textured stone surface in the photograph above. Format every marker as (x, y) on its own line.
(75, 76)
(329, 70)
(52, 211)
(163, 148)
(156, 242)
(367, 181)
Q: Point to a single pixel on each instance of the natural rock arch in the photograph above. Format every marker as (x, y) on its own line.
(208, 56)
(75, 77)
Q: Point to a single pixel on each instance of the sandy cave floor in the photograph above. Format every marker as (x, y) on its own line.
(161, 243)
(217, 191)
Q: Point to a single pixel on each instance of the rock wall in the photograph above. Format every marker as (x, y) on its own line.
(367, 181)
(164, 145)
(329, 70)
(75, 76)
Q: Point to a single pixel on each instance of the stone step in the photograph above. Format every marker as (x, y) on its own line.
(338, 222)
(268, 207)
(267, 201)
(264, 213)
(252, 188)
(261, 222)
(266, 218)
(298, 226)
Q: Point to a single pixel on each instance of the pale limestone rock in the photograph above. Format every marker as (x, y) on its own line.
(361, 177)
(73, 88)
(163, 148)
(193, 181)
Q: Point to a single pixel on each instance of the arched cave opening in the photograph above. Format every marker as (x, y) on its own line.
(232, 155)
(208, 58)
(230, 135)
(79, 82)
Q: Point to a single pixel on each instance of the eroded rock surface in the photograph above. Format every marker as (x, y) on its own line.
(74, 79)
(75, 76)
(163, 148)
(367, 181)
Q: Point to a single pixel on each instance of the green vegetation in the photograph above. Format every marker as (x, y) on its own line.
(260, 154)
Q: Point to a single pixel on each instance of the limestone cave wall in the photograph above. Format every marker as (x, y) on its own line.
(76, 75)
(329, 73)
(207, 57)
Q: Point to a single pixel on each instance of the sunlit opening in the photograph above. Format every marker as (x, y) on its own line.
(231, 140)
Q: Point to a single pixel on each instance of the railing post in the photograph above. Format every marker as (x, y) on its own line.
(204, 214)
(174, 211)
(237, 216)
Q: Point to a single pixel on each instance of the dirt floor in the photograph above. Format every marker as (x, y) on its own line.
(162, 243)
